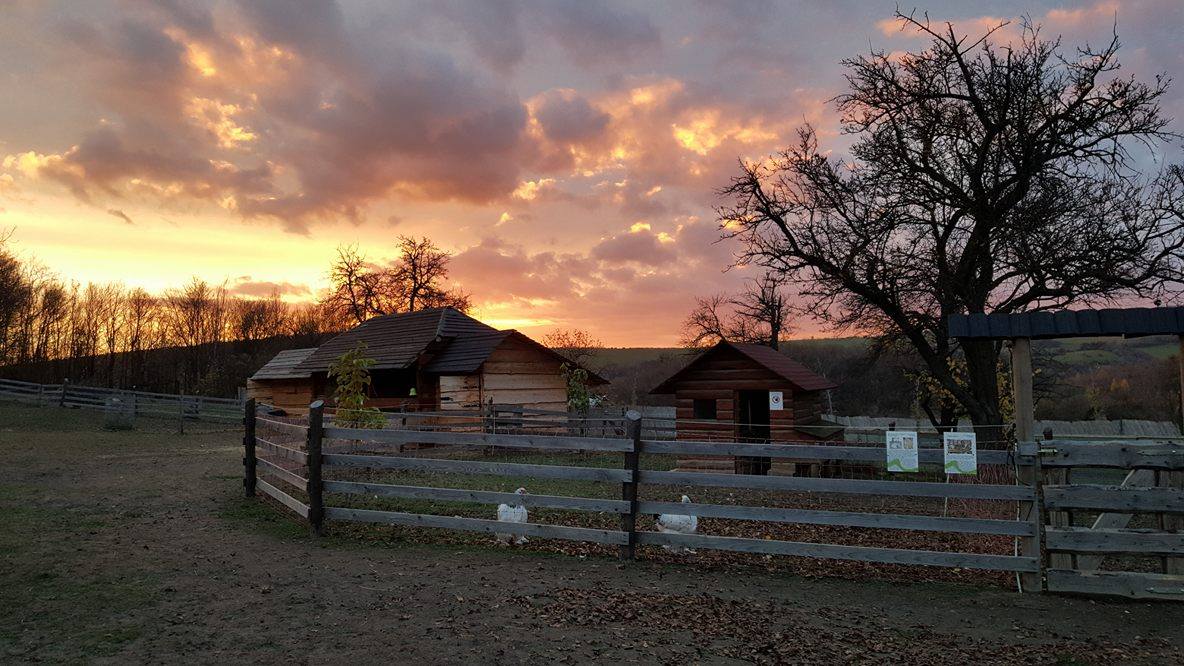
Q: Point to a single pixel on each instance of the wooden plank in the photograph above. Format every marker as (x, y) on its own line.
(1135, 542)
(478, 467)
(849, 486)
(280, 496)
(289, 477)
(475, 525)
(1114, 498)
(289, 428)
(481, 439)
(1117, 583)
(837, 552)
(808, 451)
(1164, 455)
(843, 518)
(478, 496)
(282, 451)
(1109, 521)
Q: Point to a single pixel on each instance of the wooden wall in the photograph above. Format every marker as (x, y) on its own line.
(722, 378)
(291, 395)
(517, 373)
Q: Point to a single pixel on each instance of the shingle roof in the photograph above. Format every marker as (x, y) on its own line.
(283, 365)
(1125, 322)
(396, 341)
(463, 355)
(772, 360)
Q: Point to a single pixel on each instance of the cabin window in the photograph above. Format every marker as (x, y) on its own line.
(705, 409)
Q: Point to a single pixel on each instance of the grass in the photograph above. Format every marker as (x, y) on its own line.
(48, 601)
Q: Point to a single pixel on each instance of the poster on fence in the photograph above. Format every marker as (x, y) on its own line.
(902, 451)
(961, 452)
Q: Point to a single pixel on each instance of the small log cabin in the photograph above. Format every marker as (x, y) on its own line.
(747, 393)
(430, 360)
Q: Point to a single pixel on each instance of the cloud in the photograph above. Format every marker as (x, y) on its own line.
(567, 117)
(245, 286)
(115, 212)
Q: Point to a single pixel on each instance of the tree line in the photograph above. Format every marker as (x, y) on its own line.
(198, 337)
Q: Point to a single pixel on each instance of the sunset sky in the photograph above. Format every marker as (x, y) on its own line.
(567, 153)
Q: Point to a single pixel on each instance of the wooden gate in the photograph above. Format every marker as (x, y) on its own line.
(1114, 517)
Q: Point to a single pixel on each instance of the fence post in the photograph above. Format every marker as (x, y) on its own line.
(316, 509)
(249, 447)
(629, 488)
(62, 398)
(1029, 475)
(181, 413)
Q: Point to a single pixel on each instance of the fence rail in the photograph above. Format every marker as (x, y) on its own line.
(129, 402)
(370, 453)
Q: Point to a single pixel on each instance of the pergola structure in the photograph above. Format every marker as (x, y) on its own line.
(1020, 329)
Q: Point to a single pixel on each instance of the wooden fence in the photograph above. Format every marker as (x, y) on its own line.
(133, 403)
(1135, 525)
(320, 448)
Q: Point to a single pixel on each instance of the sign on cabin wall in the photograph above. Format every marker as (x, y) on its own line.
(961, 451)
(776, 401)
(902, 451)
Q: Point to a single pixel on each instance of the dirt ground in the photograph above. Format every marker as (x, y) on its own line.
(137, 547)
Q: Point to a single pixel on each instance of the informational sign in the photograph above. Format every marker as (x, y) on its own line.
(902, 451)
(776, 401)
(961, 452)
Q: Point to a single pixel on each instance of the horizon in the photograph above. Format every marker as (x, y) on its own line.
(566, 155)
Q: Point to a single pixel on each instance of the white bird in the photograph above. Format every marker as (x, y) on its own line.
(673, 523)
(516, 513)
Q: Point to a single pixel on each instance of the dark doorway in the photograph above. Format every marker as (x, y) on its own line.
(752, 425)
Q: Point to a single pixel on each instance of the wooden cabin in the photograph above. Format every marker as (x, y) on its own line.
(430, 360)
(737, 392)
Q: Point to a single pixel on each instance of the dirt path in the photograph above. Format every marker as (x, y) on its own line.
(136, 547)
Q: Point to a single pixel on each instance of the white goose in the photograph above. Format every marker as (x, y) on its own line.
(673, 523)
(512, 514)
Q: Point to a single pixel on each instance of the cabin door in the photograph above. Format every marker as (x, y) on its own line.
(752, 425)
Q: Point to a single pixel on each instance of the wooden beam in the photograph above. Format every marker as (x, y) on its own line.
(1115, 498)
(843, 518)
(478, 467)
(837, 552)
(481, 439)
(1122, 584)
(1025, 427)
(850, 486)
(280, 496)
(477, 496)
(1134, 542)
(476, 525)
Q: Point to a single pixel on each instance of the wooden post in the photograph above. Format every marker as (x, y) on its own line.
(1025, 427)
(62, 399)
(316, 507)
(181, 413)
(249, 447)
(1175, 479)
(629, 488)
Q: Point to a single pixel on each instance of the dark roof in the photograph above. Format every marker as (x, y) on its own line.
(283, 365)
(1125, 322)
(464, 355)
(772, 360)
(396, 341)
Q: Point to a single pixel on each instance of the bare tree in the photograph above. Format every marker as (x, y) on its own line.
(757, 315)
(984, 177)
(415, 280)
(576, 344)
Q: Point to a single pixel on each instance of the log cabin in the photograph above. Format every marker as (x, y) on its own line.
(429, 360)
(738, 392)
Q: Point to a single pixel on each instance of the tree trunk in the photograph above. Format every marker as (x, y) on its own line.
(982, 375)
